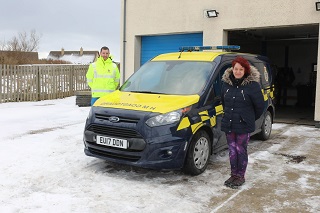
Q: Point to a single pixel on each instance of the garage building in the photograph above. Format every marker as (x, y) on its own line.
(286, 31)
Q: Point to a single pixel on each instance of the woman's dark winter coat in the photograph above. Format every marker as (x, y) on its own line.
(242, 101)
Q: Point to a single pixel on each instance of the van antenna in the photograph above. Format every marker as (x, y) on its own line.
(180, 53)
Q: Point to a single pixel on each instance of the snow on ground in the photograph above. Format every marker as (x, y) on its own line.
(44, 169)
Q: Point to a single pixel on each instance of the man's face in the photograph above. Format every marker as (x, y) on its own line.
(104, 54)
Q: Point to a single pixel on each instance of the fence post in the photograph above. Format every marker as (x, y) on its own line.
(1, 89)
(71, 81)
(38, 83)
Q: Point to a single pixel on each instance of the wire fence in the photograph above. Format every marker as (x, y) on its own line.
(41, 82)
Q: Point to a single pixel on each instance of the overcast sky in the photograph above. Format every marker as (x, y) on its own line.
(70, 24)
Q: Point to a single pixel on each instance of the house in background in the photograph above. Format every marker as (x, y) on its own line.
(74, 57)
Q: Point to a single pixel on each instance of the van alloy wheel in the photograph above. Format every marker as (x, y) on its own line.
(198, 155)
(201, 152)
(266, 127)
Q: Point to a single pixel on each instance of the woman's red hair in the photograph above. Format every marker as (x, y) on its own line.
(243, 62)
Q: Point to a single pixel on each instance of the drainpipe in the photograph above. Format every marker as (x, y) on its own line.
(123, 65)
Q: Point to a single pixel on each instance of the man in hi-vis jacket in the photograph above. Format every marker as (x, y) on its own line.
(103, 75)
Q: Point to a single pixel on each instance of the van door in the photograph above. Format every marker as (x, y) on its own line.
(214, 99)
(265, 83)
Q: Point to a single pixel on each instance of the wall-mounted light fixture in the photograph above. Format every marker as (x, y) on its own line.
(212, 13)
(317, 6)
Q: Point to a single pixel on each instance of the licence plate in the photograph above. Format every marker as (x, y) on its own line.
(114, 142)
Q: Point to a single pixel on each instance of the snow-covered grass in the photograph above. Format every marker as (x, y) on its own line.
(44, 169)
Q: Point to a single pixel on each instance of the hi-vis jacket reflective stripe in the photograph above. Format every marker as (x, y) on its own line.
(103, 77)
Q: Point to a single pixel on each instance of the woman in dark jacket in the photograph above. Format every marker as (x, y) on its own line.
(243, 104)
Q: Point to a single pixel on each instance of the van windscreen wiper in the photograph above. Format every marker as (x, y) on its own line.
(149, 92)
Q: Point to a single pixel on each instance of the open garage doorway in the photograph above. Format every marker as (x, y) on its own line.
(293, 52)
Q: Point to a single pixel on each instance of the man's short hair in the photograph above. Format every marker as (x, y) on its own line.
(104, 48)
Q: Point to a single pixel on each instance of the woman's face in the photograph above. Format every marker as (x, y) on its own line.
(238, 71)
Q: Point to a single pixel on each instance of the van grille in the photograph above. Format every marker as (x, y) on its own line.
(114, 131)
(113, 155)
(121, 119)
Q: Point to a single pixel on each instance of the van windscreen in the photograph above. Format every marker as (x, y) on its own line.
(170, 77)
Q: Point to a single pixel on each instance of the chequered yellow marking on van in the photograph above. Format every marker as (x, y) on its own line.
(185, 123)
(204, 115)
(265, 96)
(272, 94)
(213, 121)
(219, 109)
(267, 93)
(196, 126)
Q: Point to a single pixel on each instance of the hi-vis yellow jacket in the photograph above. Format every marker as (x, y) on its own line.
(103, 77)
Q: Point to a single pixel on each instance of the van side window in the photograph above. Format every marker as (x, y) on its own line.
(215, 89)
(265, 73)
(218, 81)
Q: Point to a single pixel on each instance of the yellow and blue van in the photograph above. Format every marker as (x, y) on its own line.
(167, 115)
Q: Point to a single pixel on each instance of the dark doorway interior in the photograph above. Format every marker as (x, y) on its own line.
(295, 115)
(292, 51)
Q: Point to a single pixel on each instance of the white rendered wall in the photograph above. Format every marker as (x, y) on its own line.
(157, 17)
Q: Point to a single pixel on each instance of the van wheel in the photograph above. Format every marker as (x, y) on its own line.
(198, 154)
(266, 127)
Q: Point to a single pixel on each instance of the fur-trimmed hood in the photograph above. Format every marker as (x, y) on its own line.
(253, 76)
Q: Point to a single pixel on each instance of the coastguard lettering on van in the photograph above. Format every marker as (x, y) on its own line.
(128, 105)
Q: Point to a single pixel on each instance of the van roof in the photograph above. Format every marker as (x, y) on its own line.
(189, 56)
(206, 56)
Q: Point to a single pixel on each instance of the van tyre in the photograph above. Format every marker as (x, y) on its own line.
(198, 154)
(266, 127)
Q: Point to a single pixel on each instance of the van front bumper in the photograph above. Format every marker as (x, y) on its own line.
(164, 152)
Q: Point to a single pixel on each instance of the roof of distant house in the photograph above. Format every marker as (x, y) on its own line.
(74, 57)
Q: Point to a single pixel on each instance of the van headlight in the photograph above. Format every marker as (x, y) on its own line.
(90, 114)
(164, 119)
